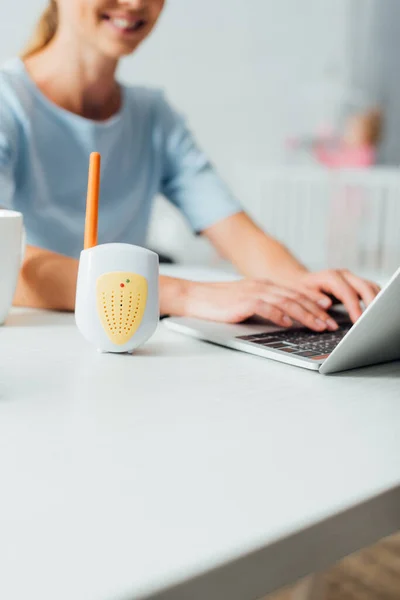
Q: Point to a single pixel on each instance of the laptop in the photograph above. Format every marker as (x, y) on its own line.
(373, 339)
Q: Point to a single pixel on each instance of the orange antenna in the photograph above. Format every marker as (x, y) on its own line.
(92, 202)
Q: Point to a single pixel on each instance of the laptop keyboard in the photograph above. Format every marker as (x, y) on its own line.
(302, 342)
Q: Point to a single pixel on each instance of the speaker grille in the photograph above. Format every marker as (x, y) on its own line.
(121, 302)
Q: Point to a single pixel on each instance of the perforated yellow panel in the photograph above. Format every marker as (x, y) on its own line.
(121, 302)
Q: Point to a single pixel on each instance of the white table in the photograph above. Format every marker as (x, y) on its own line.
(186, 471)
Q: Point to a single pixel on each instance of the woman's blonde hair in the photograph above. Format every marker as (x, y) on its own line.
(45, 30)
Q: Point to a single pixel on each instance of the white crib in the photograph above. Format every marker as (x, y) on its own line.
(334, 218)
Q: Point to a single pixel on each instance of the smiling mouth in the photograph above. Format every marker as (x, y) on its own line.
(125, 25)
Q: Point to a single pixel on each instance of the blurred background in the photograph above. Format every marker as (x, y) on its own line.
(296, 103)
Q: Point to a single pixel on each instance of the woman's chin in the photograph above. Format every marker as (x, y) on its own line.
(117, 50)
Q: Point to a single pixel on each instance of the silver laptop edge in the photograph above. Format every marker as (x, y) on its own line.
(375, 337)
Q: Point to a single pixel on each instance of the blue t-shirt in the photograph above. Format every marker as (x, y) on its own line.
(146, 149)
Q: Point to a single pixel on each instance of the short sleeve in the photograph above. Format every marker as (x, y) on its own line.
(8, 142)
(189, 180)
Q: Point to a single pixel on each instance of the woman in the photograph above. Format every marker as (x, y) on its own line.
(62, 101)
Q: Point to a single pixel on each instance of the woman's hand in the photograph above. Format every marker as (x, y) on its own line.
(236, 301)
(343, 285)
(260, 256)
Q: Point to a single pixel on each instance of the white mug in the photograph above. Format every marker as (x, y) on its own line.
(117, 304)
(12, 241)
